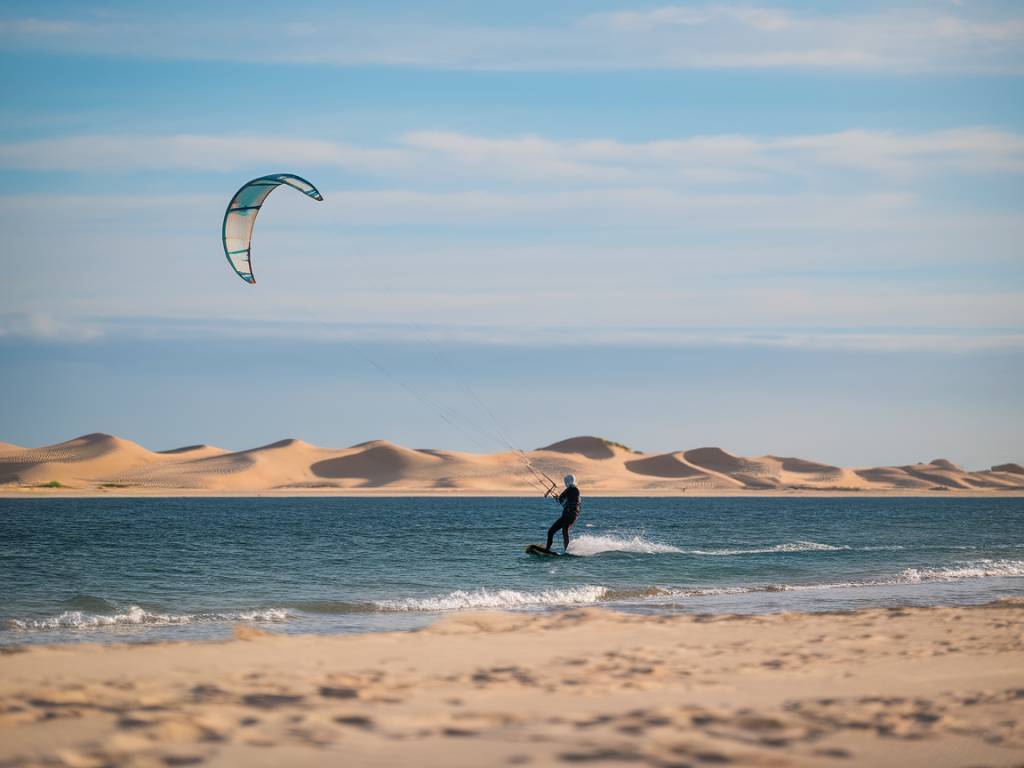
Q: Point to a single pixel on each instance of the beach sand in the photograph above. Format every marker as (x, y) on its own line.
(879, 687)
(99, 464)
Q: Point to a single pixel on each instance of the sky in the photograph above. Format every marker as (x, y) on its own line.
(781, 227)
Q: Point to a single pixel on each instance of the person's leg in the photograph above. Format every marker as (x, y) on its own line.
(551, 533)
(565, 528)
(565, 531)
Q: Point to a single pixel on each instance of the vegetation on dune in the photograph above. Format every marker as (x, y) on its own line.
(614, 444)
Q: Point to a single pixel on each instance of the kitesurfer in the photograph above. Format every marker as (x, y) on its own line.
(570, 501)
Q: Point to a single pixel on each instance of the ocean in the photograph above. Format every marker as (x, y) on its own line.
(126, 569)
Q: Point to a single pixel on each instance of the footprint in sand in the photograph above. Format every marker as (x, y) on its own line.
(270, 700)
(338, 692)
(355, 721)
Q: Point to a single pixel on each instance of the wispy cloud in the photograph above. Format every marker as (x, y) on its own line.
(138, 219)
(187, 152)
(733, 157)
(724, 159)
(905, 39)
(539, 335)
(32, 28)
(428, 237)
(711, 230)
(912, 38)
(43, 326)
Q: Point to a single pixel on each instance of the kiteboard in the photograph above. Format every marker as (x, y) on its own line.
(537, 549)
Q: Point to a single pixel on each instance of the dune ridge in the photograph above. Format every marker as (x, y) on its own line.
(104, 463)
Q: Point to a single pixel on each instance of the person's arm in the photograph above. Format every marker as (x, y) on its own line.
(562, 496)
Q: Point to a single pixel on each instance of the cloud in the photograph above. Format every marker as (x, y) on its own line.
(851, 228)
(353, 210)
(30, 28)
(315, 328)
(42, 326)
(909, 38)
(903, 39)
(442, 155)
(973, 150)
(762, 19)
(733, 157)
(729, 233)
(186, 152)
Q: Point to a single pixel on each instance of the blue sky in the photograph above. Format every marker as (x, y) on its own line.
(778, 227)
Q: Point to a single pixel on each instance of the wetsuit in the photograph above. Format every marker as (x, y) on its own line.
(570, 501)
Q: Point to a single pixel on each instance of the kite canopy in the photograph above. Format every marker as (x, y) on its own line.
(240, 217)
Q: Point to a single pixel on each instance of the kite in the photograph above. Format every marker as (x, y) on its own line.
(240, 217)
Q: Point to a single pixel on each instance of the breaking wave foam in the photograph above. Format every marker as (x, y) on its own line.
(588, 544)
(496, 598)
(484, 598)
(795, 546)
(136, 616)
(977, 569)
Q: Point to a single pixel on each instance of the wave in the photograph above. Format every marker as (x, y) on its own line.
(511, 598)
(90, 603)
(501, 599)
(795, 546)
(136, 616)
(977, 569)
(496, 598)
(331, 607)
(586, 545)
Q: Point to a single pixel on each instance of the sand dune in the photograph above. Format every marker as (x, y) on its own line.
(802, 466)
(1015, 469)
(104, 463)
(86, 459)
(665, 465)
(194, 451)
(591, 447)
(378, 463)
(716, 460)
(895, 477)
(280, 463)
(937, 475)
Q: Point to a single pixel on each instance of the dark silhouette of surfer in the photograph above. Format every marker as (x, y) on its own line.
(570, 501)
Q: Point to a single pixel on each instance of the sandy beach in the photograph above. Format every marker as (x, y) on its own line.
(906, 687)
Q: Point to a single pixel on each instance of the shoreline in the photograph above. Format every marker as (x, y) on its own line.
(899, 686)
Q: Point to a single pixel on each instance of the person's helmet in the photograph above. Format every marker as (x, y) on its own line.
(570, 481)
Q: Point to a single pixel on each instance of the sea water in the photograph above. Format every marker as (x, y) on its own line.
(125, 569)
